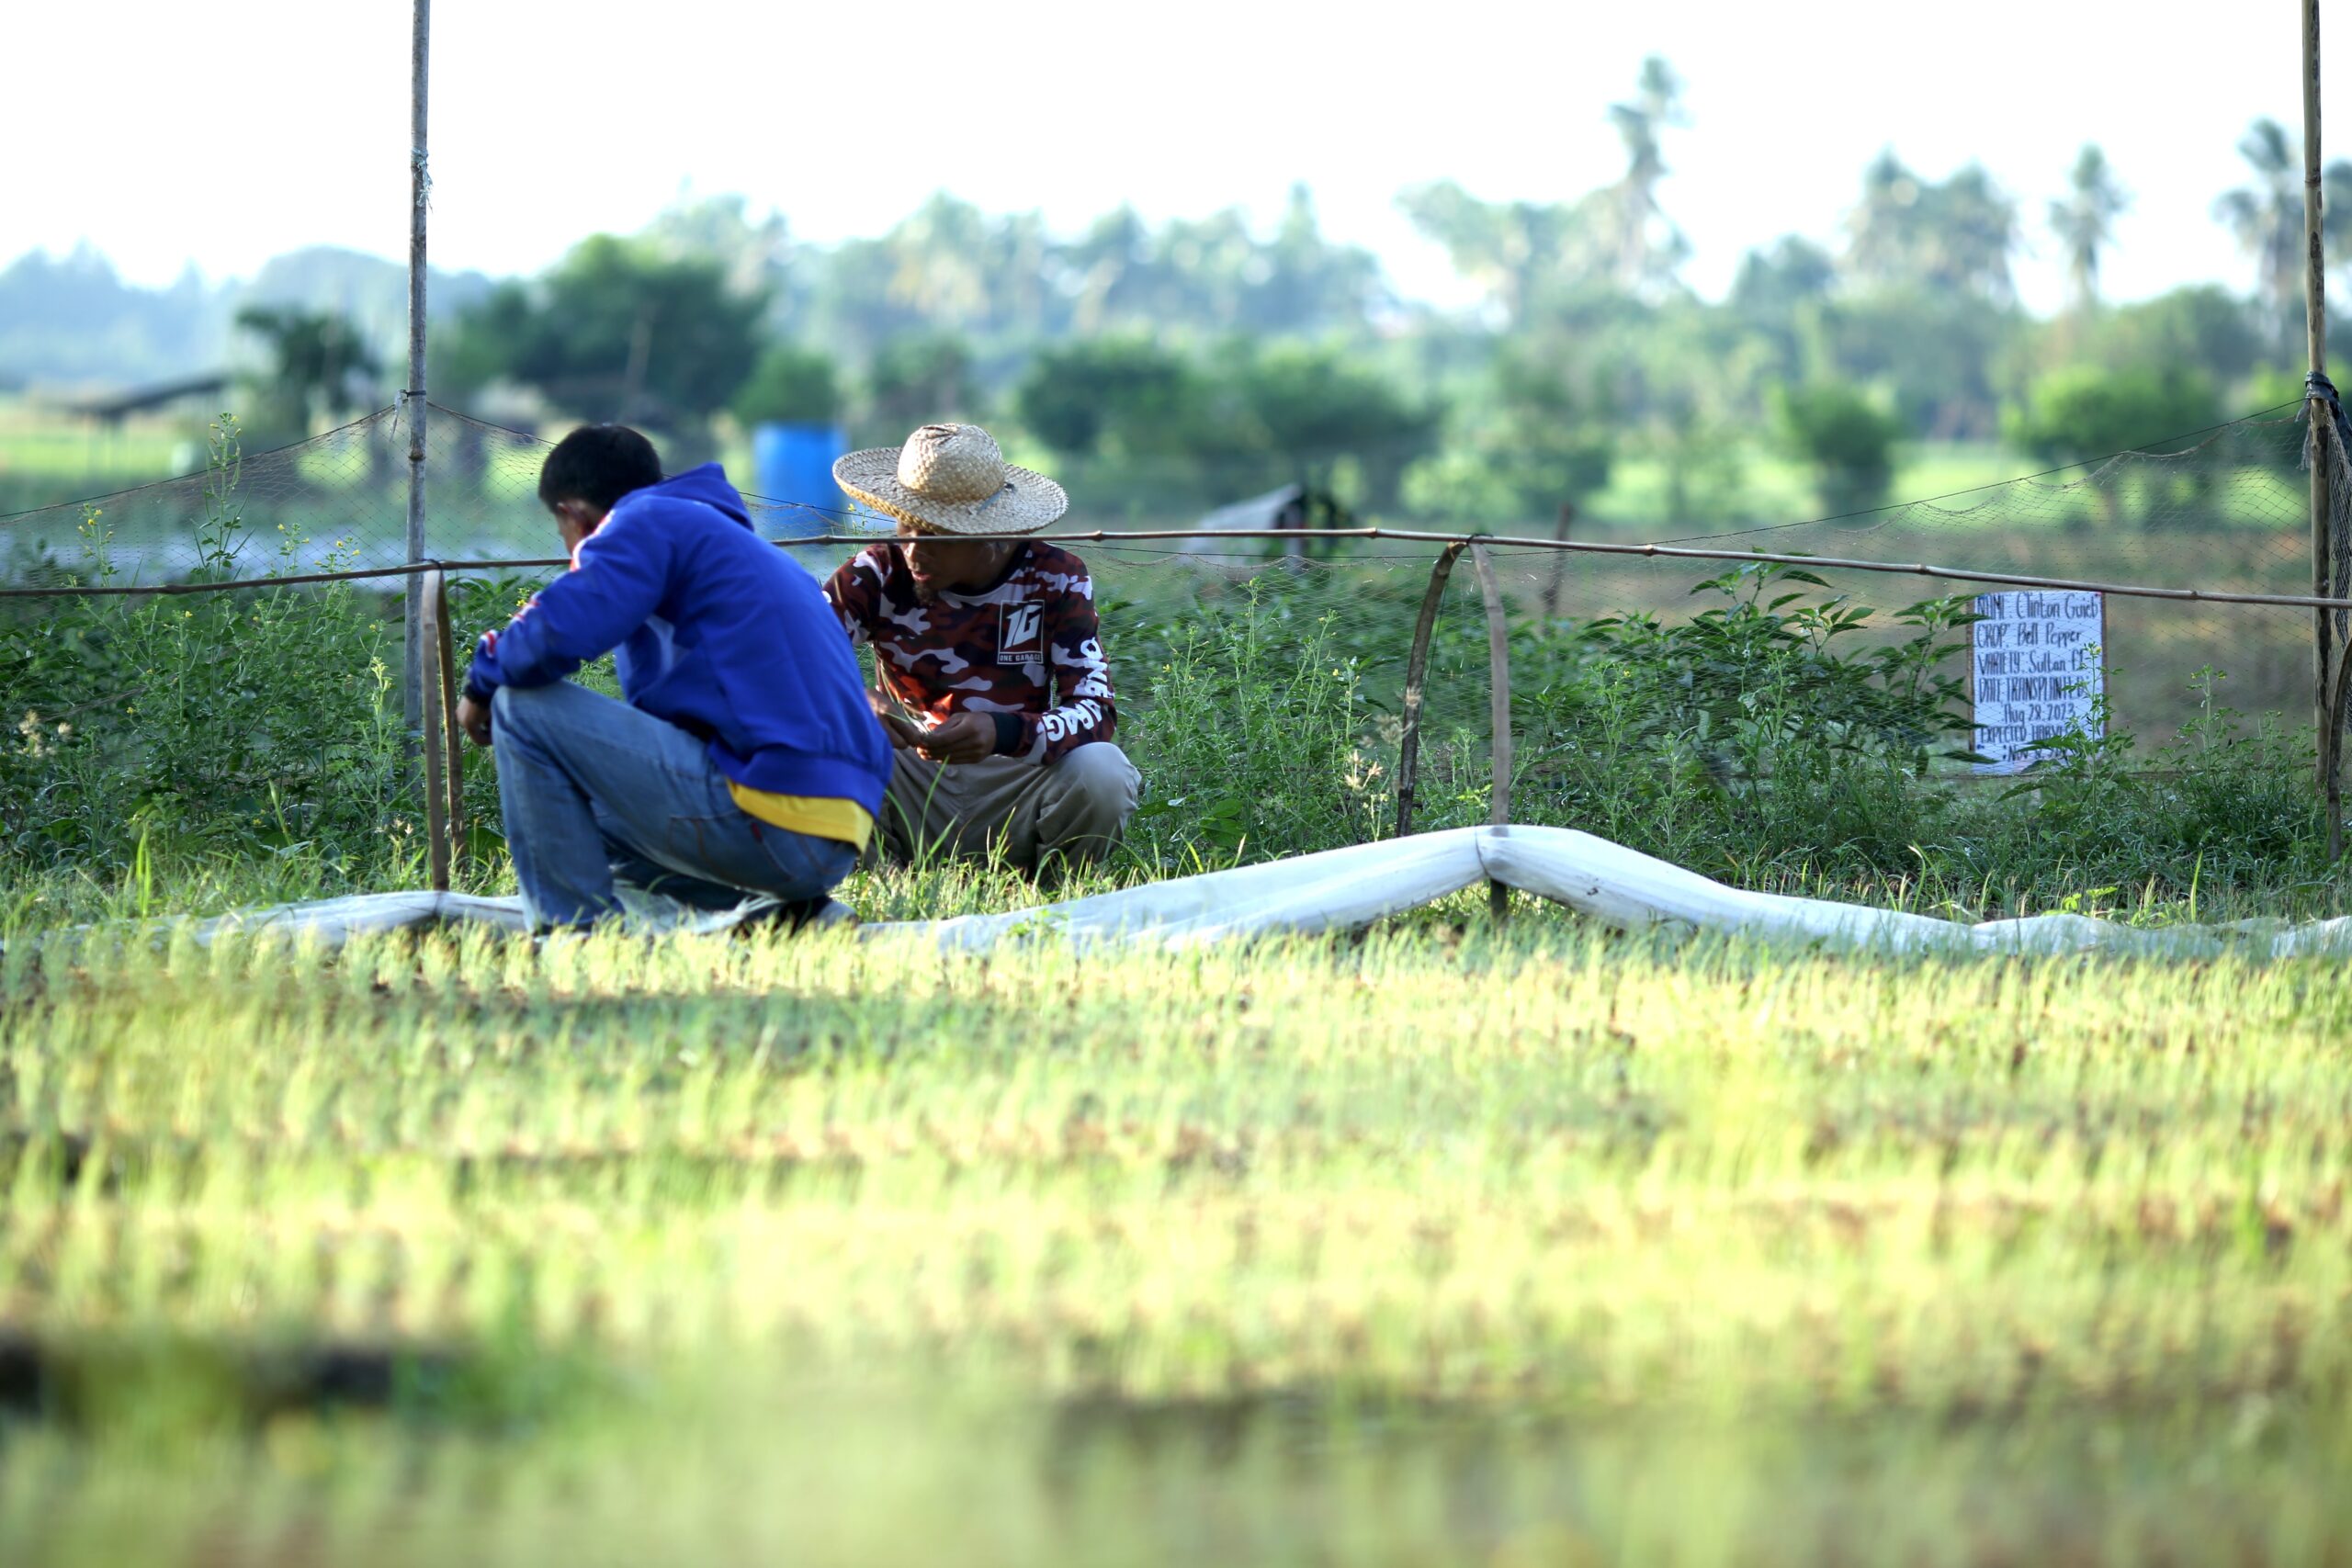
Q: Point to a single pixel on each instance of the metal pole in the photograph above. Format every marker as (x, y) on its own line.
(1417, 666)
(1499, 659)
(2325, 453)
(420, 185)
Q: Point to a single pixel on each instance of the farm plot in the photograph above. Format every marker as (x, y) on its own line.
(1445, 1246)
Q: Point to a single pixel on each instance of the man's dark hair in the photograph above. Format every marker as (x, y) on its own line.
(598, 464)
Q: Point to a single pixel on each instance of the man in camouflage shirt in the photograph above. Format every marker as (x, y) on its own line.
(994, 690)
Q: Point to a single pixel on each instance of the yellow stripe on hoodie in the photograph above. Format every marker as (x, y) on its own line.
(844, 821)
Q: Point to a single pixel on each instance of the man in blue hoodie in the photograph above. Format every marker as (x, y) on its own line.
(746, 759)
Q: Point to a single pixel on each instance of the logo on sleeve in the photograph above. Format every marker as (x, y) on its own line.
(1020, 634)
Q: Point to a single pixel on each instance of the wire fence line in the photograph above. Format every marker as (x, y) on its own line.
(2167, 448)
(1278, 535)
(2204, 550)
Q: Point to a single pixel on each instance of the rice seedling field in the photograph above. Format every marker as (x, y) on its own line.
(1451, 1244)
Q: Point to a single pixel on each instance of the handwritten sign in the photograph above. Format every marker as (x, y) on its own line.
(2038, 674)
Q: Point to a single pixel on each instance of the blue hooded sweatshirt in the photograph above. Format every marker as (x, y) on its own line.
(718, 634)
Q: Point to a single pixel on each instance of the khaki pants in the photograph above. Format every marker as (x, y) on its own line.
(1073, 810)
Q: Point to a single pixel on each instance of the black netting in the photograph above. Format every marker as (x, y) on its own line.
(338, 500)
(2225, 511)
(1267, 677)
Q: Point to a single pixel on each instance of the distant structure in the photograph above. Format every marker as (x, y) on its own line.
(107, 411)
(1293, 506)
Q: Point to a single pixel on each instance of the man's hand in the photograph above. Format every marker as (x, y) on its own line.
(473, 718)
(960, 738)
(902, 733)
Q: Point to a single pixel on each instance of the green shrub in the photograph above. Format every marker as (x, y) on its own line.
(1752, 735)
(1846, 438)
(2223, 805)
(2085, 411)
(790, 385)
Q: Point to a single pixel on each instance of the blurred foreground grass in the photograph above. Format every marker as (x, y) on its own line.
(1538, 1246)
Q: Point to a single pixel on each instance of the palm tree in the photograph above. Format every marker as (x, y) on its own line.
(1648, 246)
(1514, 248)
(319, 362)
(1884, 228)
(1910, 233)
(2085, 221)
(1109, 267)
(1973, 231)
(1310, 284)
(2266, 217)
(757, 252)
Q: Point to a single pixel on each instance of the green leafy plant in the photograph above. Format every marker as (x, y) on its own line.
(1256, 735)
(261, 721)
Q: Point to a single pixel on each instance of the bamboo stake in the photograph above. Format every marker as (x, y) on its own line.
(2331, 750)
(1559, 562)
(420, 185)
(435, 735)
(2329, 715)
(1498, 661)
(453, 739)
(1417, 666)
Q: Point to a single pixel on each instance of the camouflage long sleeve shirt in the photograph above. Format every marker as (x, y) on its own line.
(1027, 650)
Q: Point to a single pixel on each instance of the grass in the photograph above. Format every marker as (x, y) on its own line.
(60, 450)
(1773, 489)
(1530, 1245)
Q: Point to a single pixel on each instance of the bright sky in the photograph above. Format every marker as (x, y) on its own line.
(168, 135)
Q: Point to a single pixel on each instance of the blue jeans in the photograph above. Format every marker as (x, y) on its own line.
(594, 792)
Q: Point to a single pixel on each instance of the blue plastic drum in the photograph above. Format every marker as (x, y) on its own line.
(792, 469)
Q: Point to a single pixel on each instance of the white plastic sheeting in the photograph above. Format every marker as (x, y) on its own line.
(331, 921)
(1345, 889)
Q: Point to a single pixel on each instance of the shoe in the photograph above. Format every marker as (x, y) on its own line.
(561, 938)
(799, 915)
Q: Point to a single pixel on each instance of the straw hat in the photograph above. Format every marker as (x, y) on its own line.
(951, 478)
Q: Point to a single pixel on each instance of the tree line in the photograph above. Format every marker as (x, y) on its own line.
(1212, 348)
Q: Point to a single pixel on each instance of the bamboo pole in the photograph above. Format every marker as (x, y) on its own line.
(2332, 738)
(1581, 546)
(1417, 668)
(434, 731)
(1498, 660)
(1656, 552)
(453, 740)
(291, 579)
(2326, 716)
(420, 185)
(2331, 746)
